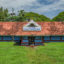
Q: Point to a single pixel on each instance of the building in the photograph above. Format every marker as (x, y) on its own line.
(32, 33)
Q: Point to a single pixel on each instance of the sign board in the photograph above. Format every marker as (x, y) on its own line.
(32, 28)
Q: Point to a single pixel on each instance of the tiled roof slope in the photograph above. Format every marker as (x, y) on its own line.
(16, 28)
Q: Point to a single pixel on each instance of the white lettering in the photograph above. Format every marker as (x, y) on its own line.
(32, 28)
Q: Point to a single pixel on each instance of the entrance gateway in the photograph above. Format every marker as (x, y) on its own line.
(31, 40)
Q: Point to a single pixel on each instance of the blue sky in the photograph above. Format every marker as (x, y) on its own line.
(49, 8)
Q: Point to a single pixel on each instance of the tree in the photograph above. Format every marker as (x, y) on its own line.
(59, 17)
(3, 14)
(36, 16)
(21, 15)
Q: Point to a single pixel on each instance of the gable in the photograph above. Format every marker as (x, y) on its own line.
(32, 22)
(32, 26)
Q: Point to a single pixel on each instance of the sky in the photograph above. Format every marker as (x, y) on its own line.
(49, 8)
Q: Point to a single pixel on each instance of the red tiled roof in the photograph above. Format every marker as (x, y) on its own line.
(16, 28)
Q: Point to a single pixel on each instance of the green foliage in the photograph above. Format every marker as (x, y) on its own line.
(59, 17)
(3, 14)
(12, 18)
(22, 16)
(36, 17)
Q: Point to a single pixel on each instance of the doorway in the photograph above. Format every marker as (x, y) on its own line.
(31, 40)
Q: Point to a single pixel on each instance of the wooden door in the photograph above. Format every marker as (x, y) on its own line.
(31, 40)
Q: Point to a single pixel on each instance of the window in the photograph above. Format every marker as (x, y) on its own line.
(0, 37)
(55, 38)
(38, 37)
(25, 37)
(38, 40)
(16, 37)
(46, 37)
(24, 40)
(7, 38)
(62, 37)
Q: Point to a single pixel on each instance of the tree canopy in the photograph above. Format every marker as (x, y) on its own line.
(36, 16)
(22, 16)
(3, 14)
(59, 17)
(25, 16)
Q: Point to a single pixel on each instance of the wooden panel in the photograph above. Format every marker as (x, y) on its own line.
(62, 37)
(55, 37)
(46, 37)
(17, 38)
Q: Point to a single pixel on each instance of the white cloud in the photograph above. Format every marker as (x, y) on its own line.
(52, 7)
(29, 4)
(15, 3)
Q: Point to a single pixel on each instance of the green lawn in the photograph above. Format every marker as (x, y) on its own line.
(51, 53)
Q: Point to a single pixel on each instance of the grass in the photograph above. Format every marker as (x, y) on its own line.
(51, 53)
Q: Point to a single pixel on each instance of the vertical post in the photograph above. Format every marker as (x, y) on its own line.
(12, 38)
(21, 40)
(42, 39)
(2, 38)
(34, 40)
(60, 38)
(50, 38)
